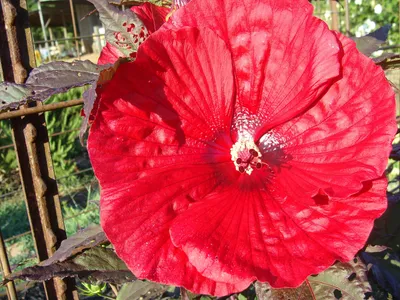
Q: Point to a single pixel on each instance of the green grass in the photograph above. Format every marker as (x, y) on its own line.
(79, 214)
(13, 216)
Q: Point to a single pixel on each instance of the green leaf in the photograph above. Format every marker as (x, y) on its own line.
(61, 75)
(13, 95)
(124, 30)
(47, 80)
(95, 265)
(367, 44)
(265, 292)
(348, 279)
(87, 238)
(345, 281)
(241, 297)
(100, 258)
(370, 43)
(143, 290)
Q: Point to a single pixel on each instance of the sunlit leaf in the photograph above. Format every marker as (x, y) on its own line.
(47, 80)
(375, 248)
(124, 29)
(346, 281)
(13, 95)
(370, 43)
(82, 240)
(265, 292)
(144, 290)
(98, 264)
(241, 297)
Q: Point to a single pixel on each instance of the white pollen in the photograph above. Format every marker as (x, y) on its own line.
(242, 150)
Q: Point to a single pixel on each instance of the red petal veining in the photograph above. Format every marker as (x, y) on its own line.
(172, 202)
(345, 138)
(284, 58)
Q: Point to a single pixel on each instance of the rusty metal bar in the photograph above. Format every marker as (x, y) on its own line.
(40, 188)
(41, 195)
(81, 37)
(64, 132)
(5, 267)
(51, 135)
(78, 172)
(334, 15)
(39, 109)
(82, 213)
(11, 238)
(10, 193)
(32, 147)
(6, 147)
(71, 5)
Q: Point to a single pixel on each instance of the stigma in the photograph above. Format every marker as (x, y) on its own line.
(246, 156)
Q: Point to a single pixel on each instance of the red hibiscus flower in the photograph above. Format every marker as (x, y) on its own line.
(246, 142)
(151, 15)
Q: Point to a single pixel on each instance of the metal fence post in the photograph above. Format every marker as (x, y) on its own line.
(5, 267)
(32, 147)
(334, 15)
(71, 5)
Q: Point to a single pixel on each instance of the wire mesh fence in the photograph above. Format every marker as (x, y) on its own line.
(78, 190)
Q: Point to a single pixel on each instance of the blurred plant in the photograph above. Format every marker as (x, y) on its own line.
(13, 217)
(365, 16)
(88, 289)
(81, 211)
(64, 146)
(9, 176)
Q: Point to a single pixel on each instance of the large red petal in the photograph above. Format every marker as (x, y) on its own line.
(284, 58)
(239, 235)
(138, 227)
(166, 122)
(343, 140)
(151, 15)
(109, 55)
(160, 140)
(192, 72)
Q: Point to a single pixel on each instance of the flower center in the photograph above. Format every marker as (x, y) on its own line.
(246, 156)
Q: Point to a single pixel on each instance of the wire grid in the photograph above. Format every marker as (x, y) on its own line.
(73, 210)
